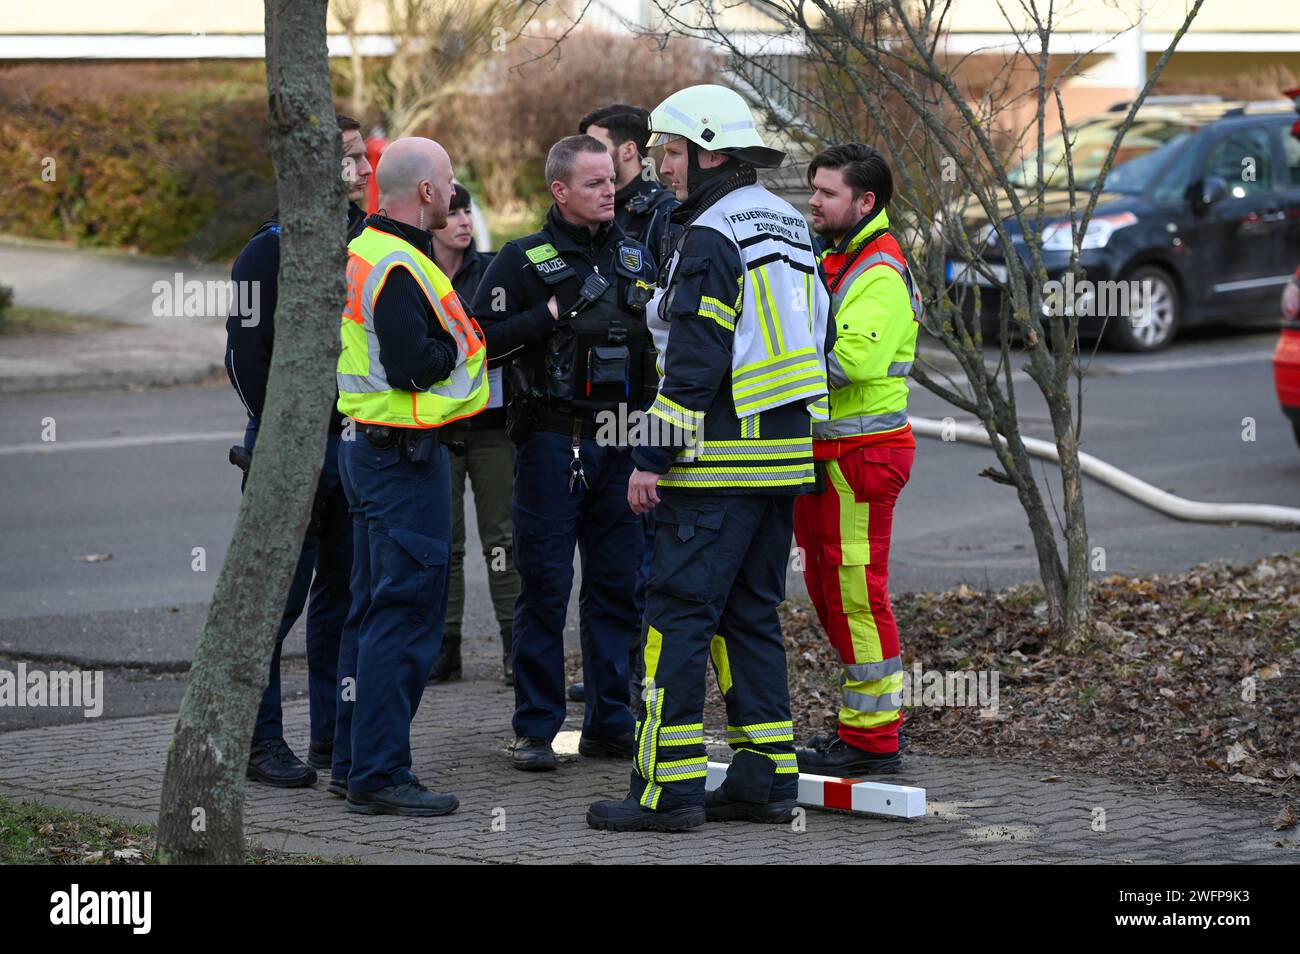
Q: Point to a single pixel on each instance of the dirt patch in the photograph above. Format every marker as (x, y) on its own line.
(1192, 679)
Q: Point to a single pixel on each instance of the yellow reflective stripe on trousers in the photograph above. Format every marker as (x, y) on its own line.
(855, 547)
(648, 742)
(865, 702)
(654, 645)
(682, 734)
(682, 769)
(760, 733)
(787, 763)
(721, 664)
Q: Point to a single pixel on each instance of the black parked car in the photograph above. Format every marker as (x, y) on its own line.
(1203, 202)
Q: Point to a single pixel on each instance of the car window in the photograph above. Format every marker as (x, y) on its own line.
(1291, 150)
(1173, 184)
(1244, 159)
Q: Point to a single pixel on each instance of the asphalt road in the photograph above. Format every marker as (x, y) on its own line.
(143, 476)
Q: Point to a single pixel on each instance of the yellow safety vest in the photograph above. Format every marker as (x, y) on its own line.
(365, 394)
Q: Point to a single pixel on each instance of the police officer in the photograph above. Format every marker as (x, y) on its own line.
(739, 323)
(411, 362)
(326, 558)
(565, 308)
(484, 455)
(642, 207)
(866, 448)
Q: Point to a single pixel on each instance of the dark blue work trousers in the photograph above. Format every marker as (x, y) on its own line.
(549, 520)
(320, 583)
(401, 515)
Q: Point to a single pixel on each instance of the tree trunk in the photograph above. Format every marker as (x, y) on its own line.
(201, 814)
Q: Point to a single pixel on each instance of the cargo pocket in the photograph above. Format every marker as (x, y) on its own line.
(410, 571)
(686, 557)
(849, 582)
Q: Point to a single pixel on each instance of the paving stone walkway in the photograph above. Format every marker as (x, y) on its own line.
(978, 811)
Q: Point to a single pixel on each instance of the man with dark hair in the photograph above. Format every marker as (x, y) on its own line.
(487, 458)
(563, 308)
(326, 559)
(865, 452)
(643, 209)
(641, 205)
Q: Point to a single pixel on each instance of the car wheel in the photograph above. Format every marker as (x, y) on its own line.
(1295, 428)
(1151, 326)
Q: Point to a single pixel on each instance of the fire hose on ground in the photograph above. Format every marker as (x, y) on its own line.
(1116, 479)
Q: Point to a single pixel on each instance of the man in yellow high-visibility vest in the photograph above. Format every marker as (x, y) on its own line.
(411, 362)
(866, 449)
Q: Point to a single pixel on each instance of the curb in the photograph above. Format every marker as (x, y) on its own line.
(118, 379)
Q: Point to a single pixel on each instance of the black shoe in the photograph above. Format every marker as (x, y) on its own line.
(409, 798)
(272, 762)
(823, 739)
(320, 755)
(837, 757)
(507, 670)
(718, 807)
(624, 747)
(448, 668)
(629, 815)
(335, 787)
(577, 692)
(533, 755)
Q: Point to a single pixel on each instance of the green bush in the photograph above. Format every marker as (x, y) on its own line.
(166, 160)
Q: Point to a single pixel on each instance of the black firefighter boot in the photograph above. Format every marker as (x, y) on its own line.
(628, 815)
(448, 665)
(745, 794)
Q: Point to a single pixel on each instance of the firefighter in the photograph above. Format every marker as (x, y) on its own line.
(866, 450)
(738, 322)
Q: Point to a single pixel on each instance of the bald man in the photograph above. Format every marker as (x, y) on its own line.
(411, 362)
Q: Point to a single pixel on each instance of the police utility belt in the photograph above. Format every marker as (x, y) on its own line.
(600, 356)
(415, 444)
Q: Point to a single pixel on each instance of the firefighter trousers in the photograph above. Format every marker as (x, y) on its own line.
(717, 580)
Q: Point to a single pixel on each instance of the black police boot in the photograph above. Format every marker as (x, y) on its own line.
(834, 756)
(629, 815)
(577, 692)
(320, 755)
(448, 666)
(272, 762)
(409, 798)
(623, 747)
(337, 787)
(746, 793)
(532, 755)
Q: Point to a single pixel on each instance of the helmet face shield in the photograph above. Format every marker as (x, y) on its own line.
(659, 138)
